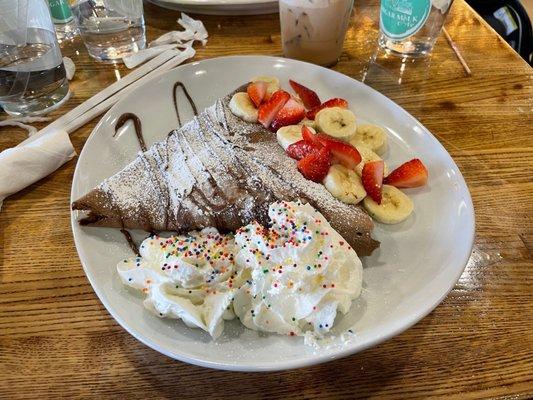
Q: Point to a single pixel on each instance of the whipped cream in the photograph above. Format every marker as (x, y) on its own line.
(291, 278)
(190, 277)
(302, 272)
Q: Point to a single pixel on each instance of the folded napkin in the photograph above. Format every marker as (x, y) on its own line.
(22, 122)
(32, 160)
(194, 30)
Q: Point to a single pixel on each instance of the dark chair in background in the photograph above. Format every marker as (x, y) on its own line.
(510, 19)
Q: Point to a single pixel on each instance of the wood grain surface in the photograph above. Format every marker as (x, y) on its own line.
(58, 341)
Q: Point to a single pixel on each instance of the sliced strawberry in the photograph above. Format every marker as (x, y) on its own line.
(344, 153)
(408, 175)
(309, 97)
(315, 166)
(372, 178)
(291, 113)
(300, 149)
(268, 110)
(310, 137)
(329, 103)
(257, 92)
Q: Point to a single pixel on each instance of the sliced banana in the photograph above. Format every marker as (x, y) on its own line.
(308, 122)
(288, 135)
(273, 83)
(395, 206)
(367, 155)
(371, 136)
(242, 106)
(344, 184)
(337, 122)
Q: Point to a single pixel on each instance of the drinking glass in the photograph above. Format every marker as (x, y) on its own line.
(314, 30)
(32, 74)
(111, 29)
(410, 28)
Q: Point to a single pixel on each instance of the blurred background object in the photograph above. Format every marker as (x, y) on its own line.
(411, 28)
(63, 20)
(512, 20)
(111, 29)
(32, 73)
(314, 31)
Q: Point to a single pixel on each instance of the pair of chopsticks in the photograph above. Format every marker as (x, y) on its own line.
(103, 100)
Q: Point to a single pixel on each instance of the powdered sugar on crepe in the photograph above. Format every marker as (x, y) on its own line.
(219, 171)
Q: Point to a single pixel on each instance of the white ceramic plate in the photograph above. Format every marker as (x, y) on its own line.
(417, 265)
(221, 7)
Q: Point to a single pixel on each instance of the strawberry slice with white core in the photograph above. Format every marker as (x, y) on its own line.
(300, 149)
(257, 92)
(290, 114)
(309, 136)
(315, 165)
(342, 152)
(372, 179)
(308, 96)
(408, 175)
(269, 110)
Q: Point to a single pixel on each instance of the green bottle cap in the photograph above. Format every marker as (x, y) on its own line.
(60, 11)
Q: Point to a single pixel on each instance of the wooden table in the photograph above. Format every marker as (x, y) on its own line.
(57, 340)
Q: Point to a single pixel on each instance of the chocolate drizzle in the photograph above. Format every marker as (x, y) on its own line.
(215, 179)
(187, 95)
(137, 125)
(130, 241)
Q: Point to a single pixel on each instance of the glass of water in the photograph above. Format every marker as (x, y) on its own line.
(410, 28)
(32, 74)
(111, 29)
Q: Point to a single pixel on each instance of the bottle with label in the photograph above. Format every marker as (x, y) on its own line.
(410, 28)
(63, 19)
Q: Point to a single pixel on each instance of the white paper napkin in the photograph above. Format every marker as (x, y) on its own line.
(194, 30)
(32, 160)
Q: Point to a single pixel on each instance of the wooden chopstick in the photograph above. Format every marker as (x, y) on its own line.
(457, 52)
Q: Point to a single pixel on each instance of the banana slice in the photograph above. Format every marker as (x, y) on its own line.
(371, 136)
(344, 184)
(308, 122)
(288, 135)
(395, 206)
(337, 122)
(273, 83)
(366, 156)
(242, 106)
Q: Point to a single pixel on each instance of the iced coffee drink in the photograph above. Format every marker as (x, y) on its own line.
(314, 30)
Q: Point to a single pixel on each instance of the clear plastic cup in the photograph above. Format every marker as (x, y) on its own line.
(314, 30)
(111, 29)
(32, 75)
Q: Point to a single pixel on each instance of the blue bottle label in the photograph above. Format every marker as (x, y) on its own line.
(400, 19)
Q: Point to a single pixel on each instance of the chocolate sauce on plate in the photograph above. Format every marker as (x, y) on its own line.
(130, 241)
(137, 125)
(187, 95)
(138, 132)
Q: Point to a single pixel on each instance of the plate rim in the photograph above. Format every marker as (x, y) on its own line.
(333, 354)
(215, 3)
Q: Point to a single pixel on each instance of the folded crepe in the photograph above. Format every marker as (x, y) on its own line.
(215, 171)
